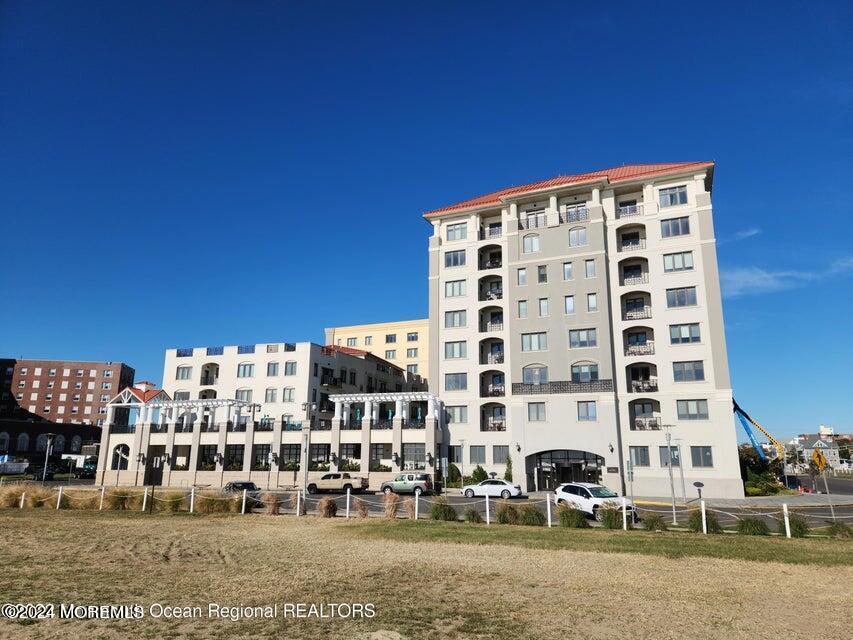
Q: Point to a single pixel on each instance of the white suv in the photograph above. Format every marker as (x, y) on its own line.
(589, 498)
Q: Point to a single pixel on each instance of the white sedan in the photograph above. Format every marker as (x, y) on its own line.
(493, 488)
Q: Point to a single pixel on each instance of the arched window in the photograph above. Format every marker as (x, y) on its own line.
(530, 243)
(534, 374)
(23, 442)
(121, 453)
(577, 236)
(4, 442)
(76, 444)
(584, 372)
(41, 443)
(59, 444)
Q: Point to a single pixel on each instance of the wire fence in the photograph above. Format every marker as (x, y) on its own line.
(816, 520)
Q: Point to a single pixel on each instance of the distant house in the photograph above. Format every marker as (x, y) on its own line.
(829, 448)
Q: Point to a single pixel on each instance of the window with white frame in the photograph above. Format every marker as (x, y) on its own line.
(454, 289)
(567, 271)
(534, 341)
(522, 308)
(584, 372)
(639, 456)
(592, 302)
(688, 371)
(390, 354)
(684, 333)
(569, 304)
(589, 268)
(455, 381)
(453, 350)
(454, 319)
(534, 374)
(477, 454)
(458, 231)
(270, 395)
(673, 227)
(245, 370)
(701, 456)
(290, 368)
(543, 307)
(580, 338)
(411, 353)
(454, 258)
(587, 411)
(244, 394)
(272, 369)
(692, 409)
(288, 394)
(457, 414)
(682, 261)
(672, 196)
(681, 297)
(352, 342)
(522, 277)
(577, 237)
(536, 412)
(530, 243)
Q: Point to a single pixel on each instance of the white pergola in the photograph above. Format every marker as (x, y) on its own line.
(372, 400)
(185, 408)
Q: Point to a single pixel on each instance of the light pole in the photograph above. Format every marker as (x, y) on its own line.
(47, 455)
(681, 469)
(667, 427)
(309, 408)
(462, 463)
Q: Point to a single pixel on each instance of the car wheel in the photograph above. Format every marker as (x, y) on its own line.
(312, 488)
(387, 491)
(418, 491)
(596, 513)
(348, 487)
(505, 494)
(469, 493)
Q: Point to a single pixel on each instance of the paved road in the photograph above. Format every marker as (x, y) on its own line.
(837, 486)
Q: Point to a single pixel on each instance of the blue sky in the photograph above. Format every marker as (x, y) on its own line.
(166, 169)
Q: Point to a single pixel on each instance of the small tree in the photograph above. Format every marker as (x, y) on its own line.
(508, 472)
(479, 474)
(453, 473)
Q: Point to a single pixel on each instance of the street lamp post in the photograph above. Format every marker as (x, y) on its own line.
(667, 427)
(681, 470)
(309, 408)
(50, 437)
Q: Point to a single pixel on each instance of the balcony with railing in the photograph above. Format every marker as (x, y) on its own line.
(414, 423)
(493, 424)
(491, 231)
(638, 313)
(632, 244)
(291, 426)
(643, 386)
(646, 348)
(629, 210)
(644, 415)
(602, 385)
(383, 423)
(353, 424)
(328, 380)
(574, 214)
(646, 423)
(492, 389)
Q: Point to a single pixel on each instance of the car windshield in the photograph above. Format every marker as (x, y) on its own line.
(602, 492)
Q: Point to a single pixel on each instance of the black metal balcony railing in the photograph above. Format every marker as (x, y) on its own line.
(159, 428)
(327, 407)
(264, 426)
(638, 314)
(494, 390)
(579, 214)
(494, 294)
(209, 381)
(209, 428)
(122, 428)
(330, 381)
(493, 358)
(632, 245)
(491, 232)
(414, 423)
(291, 426)
(385, 423)
(352, 425)
(629, 210)
(236, 428)
(633, 280)
(645, 349)
(184, 428)
(644, 386)
(322, 425)
(492, 264)
(646, 423)
(493, 424)
(562, 386)
(533, 222)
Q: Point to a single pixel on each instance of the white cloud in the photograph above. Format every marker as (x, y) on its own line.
(744, 281)
(842, 265)
(743, 234)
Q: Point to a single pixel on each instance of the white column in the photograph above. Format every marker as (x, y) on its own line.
(338, 407)
(111, 410)
(368, 412)
(596, 196)
(398, 408)
(228, 413)
(432, 408)
(346, 414)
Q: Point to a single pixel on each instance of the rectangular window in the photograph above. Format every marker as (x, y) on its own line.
(500, 453)
(536, 412)
(272, 369)
(288, 394)
(543, 307)
(690, 371)
(534, 341)
(682, 261)
(522, 308)
(270, 395)
(591, 302)
(701, 456)
(455, 381)
(587, 372)
(579, 338)
(586, 411)
(260, 457)
(380, 451)
(457, 414)
(245, 370)
(318, 454)
(412, 336)
(290, 368)
(522, 277)
(414, 456)
(411, 368)
(639, 456)
(390, 354)
(290, 455)
(692, 409)
(390, 338)
(577, 237)
(530, 243)
(454, 350)
(684, 333)
(411, 353)
(672, 196)
(368, 340)
(352, 342)
(477, 454)
(567, 271)
(665, 457)
(234, 457)
(454, 454)
(184, 373)
(207, 457)
(243, 394)
(682, 297)
(457, 231)
(675, 227)
(542, 273)
(246, 348)
(454, 289)
(454, 258)
(351, 451)
(569, 304)
(589, 268)
(454, 319)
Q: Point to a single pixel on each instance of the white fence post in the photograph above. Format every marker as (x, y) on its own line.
(192, 499)
(704, 517)
(144, 499)
(59, 497)
(101, 503)
(417, 505)
(243, 508)
(23, 495)
(624, 514)
(487, 511)
(298, 503)
(548, 507)
(348, 495)
(787, 521)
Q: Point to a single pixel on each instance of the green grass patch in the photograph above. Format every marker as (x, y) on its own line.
(824, 552)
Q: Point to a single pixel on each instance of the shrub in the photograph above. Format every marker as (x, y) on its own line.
(81, 500)
(752, 527)
(694, 522)
(508, 472)
(478, 474)
(506, 513)
(570, 517)
(610, 517)
(215, 502)
(271, 502)
(295, 501)
(453, 474)
(170, 501)
(442, 510)
(531, 516)
(473, 516)
(653, 522)
(361, 508)
(327, 507)
(10, 496)
(838, 530)
(409, 506)
(392, 505)
(799, 526)
(40, 497)
(122, 500)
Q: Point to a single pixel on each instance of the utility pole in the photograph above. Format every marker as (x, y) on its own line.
(667, 427)
(47, 455)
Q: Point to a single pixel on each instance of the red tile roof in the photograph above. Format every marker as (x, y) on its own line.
(613, 175)
(145, 396)
(359, 353)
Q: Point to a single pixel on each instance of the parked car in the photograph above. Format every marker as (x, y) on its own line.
(493, 488)
(338, 482)
(253, 492)
(416, 483)
(85, 473)
(590, 498)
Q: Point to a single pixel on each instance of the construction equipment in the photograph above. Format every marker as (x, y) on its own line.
(745, 420)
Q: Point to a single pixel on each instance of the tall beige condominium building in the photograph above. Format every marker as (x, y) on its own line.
(576, 326)
(404, 343)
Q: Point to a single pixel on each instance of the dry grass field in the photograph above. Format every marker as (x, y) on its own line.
(501, 587)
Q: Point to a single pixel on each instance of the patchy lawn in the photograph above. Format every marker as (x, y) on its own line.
(511, 583)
